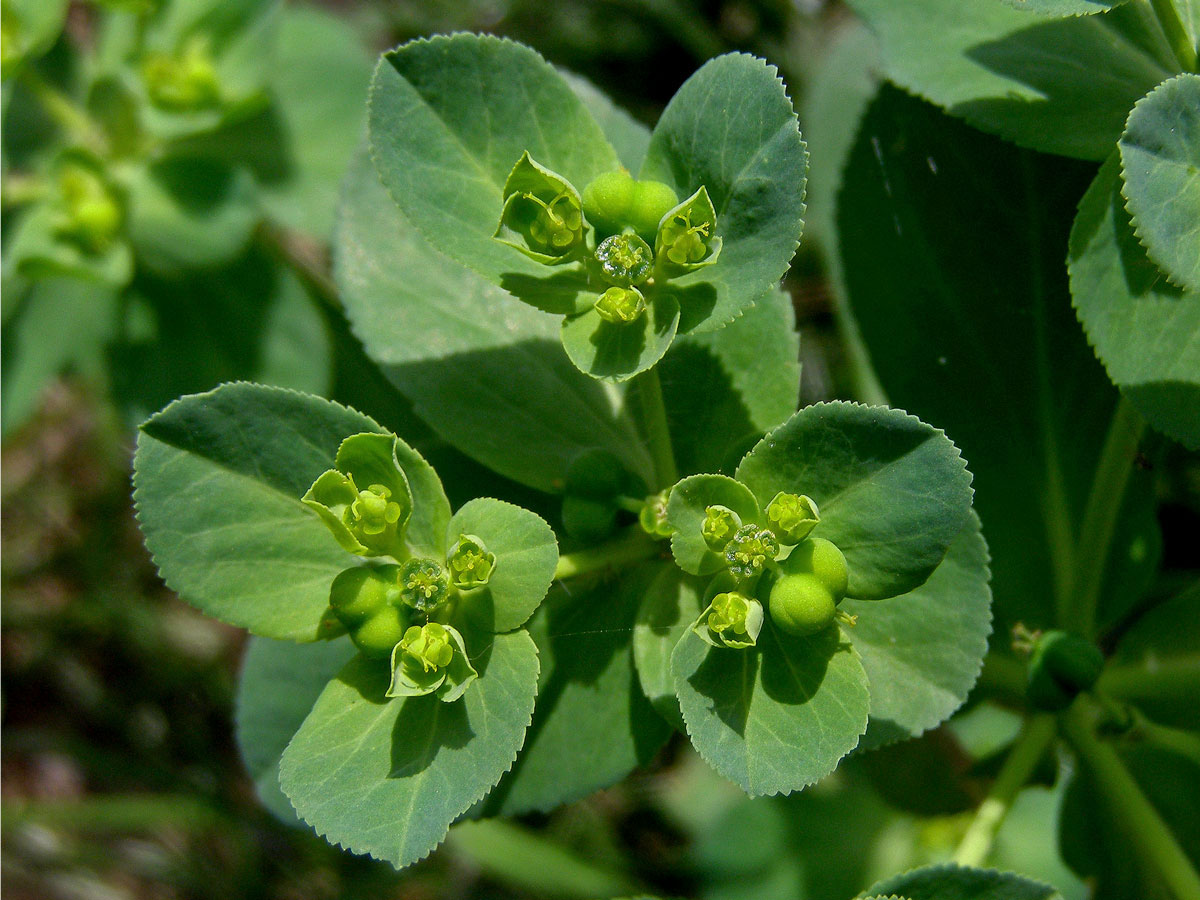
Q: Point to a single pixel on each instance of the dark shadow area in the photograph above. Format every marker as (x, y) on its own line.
(560, 293)
(794, 667)
(438, 724)
(696, 303)
(727, 678)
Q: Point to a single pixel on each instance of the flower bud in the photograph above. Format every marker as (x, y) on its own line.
(653, 517)
(620, 306)
(1061, 666)
(731, 620)
(792, 517)
(719, 526)
(429, 659)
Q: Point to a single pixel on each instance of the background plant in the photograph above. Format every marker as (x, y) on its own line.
(802, 841)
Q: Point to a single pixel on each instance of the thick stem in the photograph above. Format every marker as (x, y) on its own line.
(1100, 518)
(648, 390)
(976, 844)
(632, 546)
(1177, 36)
(1147, 833)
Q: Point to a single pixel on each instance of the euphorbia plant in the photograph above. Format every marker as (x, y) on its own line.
(722, 555)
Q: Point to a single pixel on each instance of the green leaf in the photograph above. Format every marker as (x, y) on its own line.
(1156, 664)
(466, 354)
(450, 116)
(218, 479)
(1144, 329)
(30, 28)
(686, 511)
(592, 725)
(618, 351)
(776, 718)
(1057, 85)
(670, 604)
(951, 882)
(278, 685)
(38, 251)
(893, 492)
(723, 389)
(922, 651)
(188, 213)
(37, 347)
(526, 554)
(628, 136)
(1064, 7)
(321, 70)
(388, 777)
(426, 531)
(971, 328)
(1160, 159)
(731, 129)
(251, 320)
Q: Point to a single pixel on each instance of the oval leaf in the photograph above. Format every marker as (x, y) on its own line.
(777, 718)
(731, 129)
(893, 492)
(450, 116)
(1144, 329)
(388, 777)
(218, 479)
(686, 511)
(923, 650)
(951, 882)
(1160, 159)
(526, 555)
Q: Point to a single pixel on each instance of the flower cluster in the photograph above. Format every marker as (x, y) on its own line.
(395, 604)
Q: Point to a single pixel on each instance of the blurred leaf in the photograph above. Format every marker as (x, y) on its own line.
(950, 882)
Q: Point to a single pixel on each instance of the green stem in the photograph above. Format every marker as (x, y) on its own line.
(632, 546)
(62, 109)
(1100, 518)
(114, 813)
(1144, 828)
(629, 504)
(1177, 36)
(1030, 746)
(1175, 740)
(287, 248)
(653, 411)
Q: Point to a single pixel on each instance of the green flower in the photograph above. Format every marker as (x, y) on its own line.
(687, 238)
(183, 81)
(719, 526)
(424, 584)
(431, 659)
(731, 620)
(653, 516)
(542, 215)
(365, 501)
(625, 260)
(470, 563)
(792, 516)
(751, 547)
(620, 306)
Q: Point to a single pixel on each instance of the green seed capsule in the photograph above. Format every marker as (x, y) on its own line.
(1060, 667)
(359, 593)
(651, 201)
(381, 632)
(822, 558)
(801, 604)
(607, 199)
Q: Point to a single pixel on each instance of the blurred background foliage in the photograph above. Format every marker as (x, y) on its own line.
(121, 778)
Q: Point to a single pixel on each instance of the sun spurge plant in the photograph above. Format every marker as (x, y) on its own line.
(617, 342)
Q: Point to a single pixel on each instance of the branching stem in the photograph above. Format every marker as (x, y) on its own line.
(631, 546)
(648, 389)
(1030, 746)
(1147, 833)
